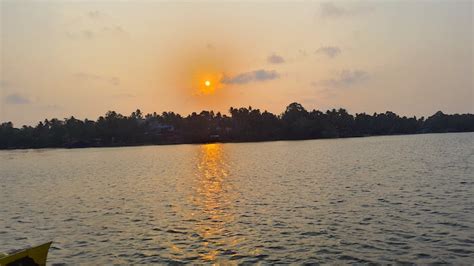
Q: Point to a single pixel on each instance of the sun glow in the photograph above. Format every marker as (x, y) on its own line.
(207, 83)
(198, 71)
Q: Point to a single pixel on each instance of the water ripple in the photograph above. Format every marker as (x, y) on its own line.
(389, 200)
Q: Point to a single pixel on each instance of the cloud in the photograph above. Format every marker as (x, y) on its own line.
(16, 98)
(96, 78)
(81, 35)
(210, 46)
(124, 95)
(331, 10)
(13, 97)
(344, 79)
(253, 76)
(302, 52)
(114, 81)
(329, 51)
(88, 34)
(113, 30)
(4, 84)
(275, 59)
(95, 14)
(96, 25)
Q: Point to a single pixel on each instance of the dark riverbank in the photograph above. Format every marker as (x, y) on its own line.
(243, 125)
(119, 145)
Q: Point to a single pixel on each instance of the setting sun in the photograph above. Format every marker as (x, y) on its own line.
(208, 85)
(207, 82)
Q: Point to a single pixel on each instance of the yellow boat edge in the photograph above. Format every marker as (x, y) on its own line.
(38, 254)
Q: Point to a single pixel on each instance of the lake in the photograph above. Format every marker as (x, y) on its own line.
(376, 199)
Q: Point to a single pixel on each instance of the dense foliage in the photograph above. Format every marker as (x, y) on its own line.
(243, 124)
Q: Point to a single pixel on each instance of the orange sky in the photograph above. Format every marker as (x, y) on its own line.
(66, 58)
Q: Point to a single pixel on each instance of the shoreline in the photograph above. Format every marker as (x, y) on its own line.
(221, 142)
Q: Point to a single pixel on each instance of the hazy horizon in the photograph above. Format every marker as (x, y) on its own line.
(82, 59)
(224, 112)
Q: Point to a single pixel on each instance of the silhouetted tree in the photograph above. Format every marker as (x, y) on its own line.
(243, 124)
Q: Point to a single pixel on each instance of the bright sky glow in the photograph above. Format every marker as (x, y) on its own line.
(83, 58)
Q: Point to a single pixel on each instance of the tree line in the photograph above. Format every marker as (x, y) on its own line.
(243, 124)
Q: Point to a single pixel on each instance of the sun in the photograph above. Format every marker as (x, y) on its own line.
(206, 83)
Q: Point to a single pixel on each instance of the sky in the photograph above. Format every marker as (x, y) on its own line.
(84, 58)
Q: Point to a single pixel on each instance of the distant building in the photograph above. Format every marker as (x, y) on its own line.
(214, 137)
(159, 128)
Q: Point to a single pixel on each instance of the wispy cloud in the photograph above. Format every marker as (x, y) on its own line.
(95, 14)
(122, 95)
(329, 51)
(92, 25)
(331, 10)
(344, 79)
(89, 34)
(83, 34)
(275, 59)
(253, 76)
(210, 46)
(4, 84)
(113, 29)
(302, 52)
(115, 81)
(16, 98)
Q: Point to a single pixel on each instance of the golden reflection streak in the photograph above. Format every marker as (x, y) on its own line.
(214, 199)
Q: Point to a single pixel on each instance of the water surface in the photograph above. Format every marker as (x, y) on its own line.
(378, 199)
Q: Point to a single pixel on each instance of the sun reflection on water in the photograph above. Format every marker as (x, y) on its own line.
(213, 198)
(208, 227)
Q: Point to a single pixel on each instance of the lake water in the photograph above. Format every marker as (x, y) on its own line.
(377, 199)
